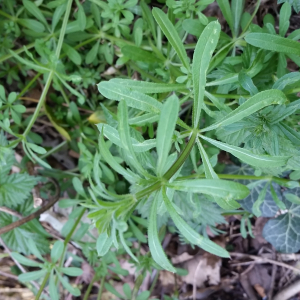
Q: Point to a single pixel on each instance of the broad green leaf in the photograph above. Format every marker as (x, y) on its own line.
(149, 87)
(133, 99)
(31, 24)
(251, 106)
(111, 160)
(35, 275)
(237, 8)
(124, 132)
(25, 261)
(273, 43)
(113, 135)
(189, 233)
(56, 251)
(202, 56)
(226, 11)
(138, 54)
(283, 232)
(156, 249)
(284, 18)
(35, 11)
(166, 127)
(247, 83)
(212, 187)
(171, 33)
(249, 157)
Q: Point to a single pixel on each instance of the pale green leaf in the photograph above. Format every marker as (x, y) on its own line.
(171, 33)
(249, 157)
(166, 127)
(249, 107)
(156, 249)
(202, 56)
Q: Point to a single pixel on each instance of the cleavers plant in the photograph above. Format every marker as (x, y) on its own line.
(149, 162)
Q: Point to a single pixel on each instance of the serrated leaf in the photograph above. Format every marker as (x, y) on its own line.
(248, 156)
(212, 187)
(166, 127)
(273, 43)
(171, 33)
(249, 107)
(202, 56)
(15, 188)
(134, 99)
(189, 233)
(156, 249)
(283, 232)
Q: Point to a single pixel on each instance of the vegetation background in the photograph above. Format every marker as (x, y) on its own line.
(149, 150)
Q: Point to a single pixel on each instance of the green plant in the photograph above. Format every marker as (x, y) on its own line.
(148, 150)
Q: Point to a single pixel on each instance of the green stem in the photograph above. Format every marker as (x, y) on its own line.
(154, 282)
(250, 20)
(42, 287)
(40, 103)
(137, 285)
(230, 96)
(7, 15)
(30, 83)
(88, 290)
(101, 288)
(183, 156)
(63, 28)
(53, 150)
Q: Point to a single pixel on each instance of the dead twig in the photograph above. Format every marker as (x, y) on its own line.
(288, 292)
(258, 259)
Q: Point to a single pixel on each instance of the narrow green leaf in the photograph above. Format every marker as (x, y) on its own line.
(68, 286)
(148, 17)
(138, 54)
(143, 120)
(273, 43)
(125, 138)
(226, 11)
(34, 250)
(113, 135)
(127, 249)
(237, 8)
(72, 54)
(133, 99)
(92, 54)
(290, 133)
(35, 11)
(261, 197)
(81, 17)
(137, 232)
(249, 157)
(31, 24)
(247, 83)
(202, 56)
(71, 271)
(284, 18)
(278, 202)
(252, 105)
(35, 275)
(59, 11)
(189, 233)
(156, 249)
(149, 87)
(53, 288)
(24, 260)
(103, 244)
(166, 127)
(111, 161)
(57, 251)
(213, 187)
(286, 80)
(171, 33)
